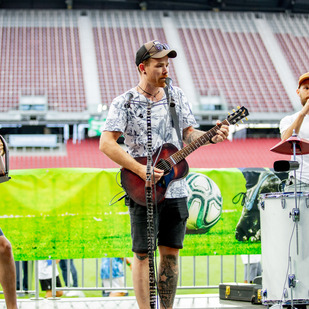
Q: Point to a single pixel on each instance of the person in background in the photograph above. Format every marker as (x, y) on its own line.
(7, 265)
(64, 269)
(255, 267)
(24, 277)
(298, 123)
(45, 277)
(117, 279)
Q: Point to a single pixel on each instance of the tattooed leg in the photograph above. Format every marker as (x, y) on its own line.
(168, 278)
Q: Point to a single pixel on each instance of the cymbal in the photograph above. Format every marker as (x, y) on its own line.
(286, 146)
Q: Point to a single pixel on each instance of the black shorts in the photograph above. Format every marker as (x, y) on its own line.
(170, 218)
(46, 284)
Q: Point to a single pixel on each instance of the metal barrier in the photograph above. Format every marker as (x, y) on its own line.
(195, 273)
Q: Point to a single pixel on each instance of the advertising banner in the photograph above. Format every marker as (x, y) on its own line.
(65, 213)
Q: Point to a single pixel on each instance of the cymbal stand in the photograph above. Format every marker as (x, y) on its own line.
(295, 214)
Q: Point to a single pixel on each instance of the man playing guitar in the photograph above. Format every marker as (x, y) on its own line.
(128, 116)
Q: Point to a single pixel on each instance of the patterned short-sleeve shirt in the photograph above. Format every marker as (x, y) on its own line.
(130, 118)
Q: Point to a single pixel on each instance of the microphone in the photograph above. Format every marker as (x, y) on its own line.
(168, 82)
(285, 166)
(128, 97)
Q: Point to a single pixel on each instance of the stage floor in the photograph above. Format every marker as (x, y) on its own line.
(181, 302)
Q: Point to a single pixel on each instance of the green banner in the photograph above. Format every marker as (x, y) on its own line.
(95, 126)
(66, 213)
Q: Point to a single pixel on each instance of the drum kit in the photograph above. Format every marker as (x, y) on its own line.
(4, 162)
(284, 234)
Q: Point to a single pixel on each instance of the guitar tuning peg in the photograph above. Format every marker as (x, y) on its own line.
(229, 113)
(238, 107)
(234, 110)
(246, 118)
(241, 121)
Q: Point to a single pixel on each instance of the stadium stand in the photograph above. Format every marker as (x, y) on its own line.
(226, 52)
(230, 56)
(118, 34)
(41, 54)
(291, 33)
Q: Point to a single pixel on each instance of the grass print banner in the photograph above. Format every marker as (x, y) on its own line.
(64, 213)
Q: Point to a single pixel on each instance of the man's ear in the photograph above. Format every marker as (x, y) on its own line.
(142, 68)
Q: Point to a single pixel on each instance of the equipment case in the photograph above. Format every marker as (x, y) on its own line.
(241, 291)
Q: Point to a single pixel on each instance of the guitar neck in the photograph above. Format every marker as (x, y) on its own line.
(202, 140)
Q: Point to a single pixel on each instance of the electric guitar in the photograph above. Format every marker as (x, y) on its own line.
(172, 162)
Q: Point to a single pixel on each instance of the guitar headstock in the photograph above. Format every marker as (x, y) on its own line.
(238, 115)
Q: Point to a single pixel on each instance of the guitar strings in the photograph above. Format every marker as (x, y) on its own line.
(161, 165)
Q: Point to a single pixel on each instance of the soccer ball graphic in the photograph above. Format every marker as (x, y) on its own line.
(204, 203)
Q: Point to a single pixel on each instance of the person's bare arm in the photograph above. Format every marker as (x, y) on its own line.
(296, 125)
(190, 134)
(1, 148)
(110, 147)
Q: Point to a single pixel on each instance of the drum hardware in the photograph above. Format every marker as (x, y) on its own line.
(292, 146)
(283, 203)
(286, 293)
(294, 214)
(292, 281)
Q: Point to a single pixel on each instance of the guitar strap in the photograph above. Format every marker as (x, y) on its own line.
(175, 121)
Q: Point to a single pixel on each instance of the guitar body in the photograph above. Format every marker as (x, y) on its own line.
(135, 186)
(172, 161)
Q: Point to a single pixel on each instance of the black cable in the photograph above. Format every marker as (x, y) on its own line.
(289, 262)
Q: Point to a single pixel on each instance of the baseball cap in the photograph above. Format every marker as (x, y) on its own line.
(303, 78)
(154, 49)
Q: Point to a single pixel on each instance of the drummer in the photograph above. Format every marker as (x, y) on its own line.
(299, 123)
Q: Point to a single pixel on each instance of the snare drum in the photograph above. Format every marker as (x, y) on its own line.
(278, 236)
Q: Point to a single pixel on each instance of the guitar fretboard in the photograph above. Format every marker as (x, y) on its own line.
(202, 140)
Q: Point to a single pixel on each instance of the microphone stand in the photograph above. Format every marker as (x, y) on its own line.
(149, 205)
